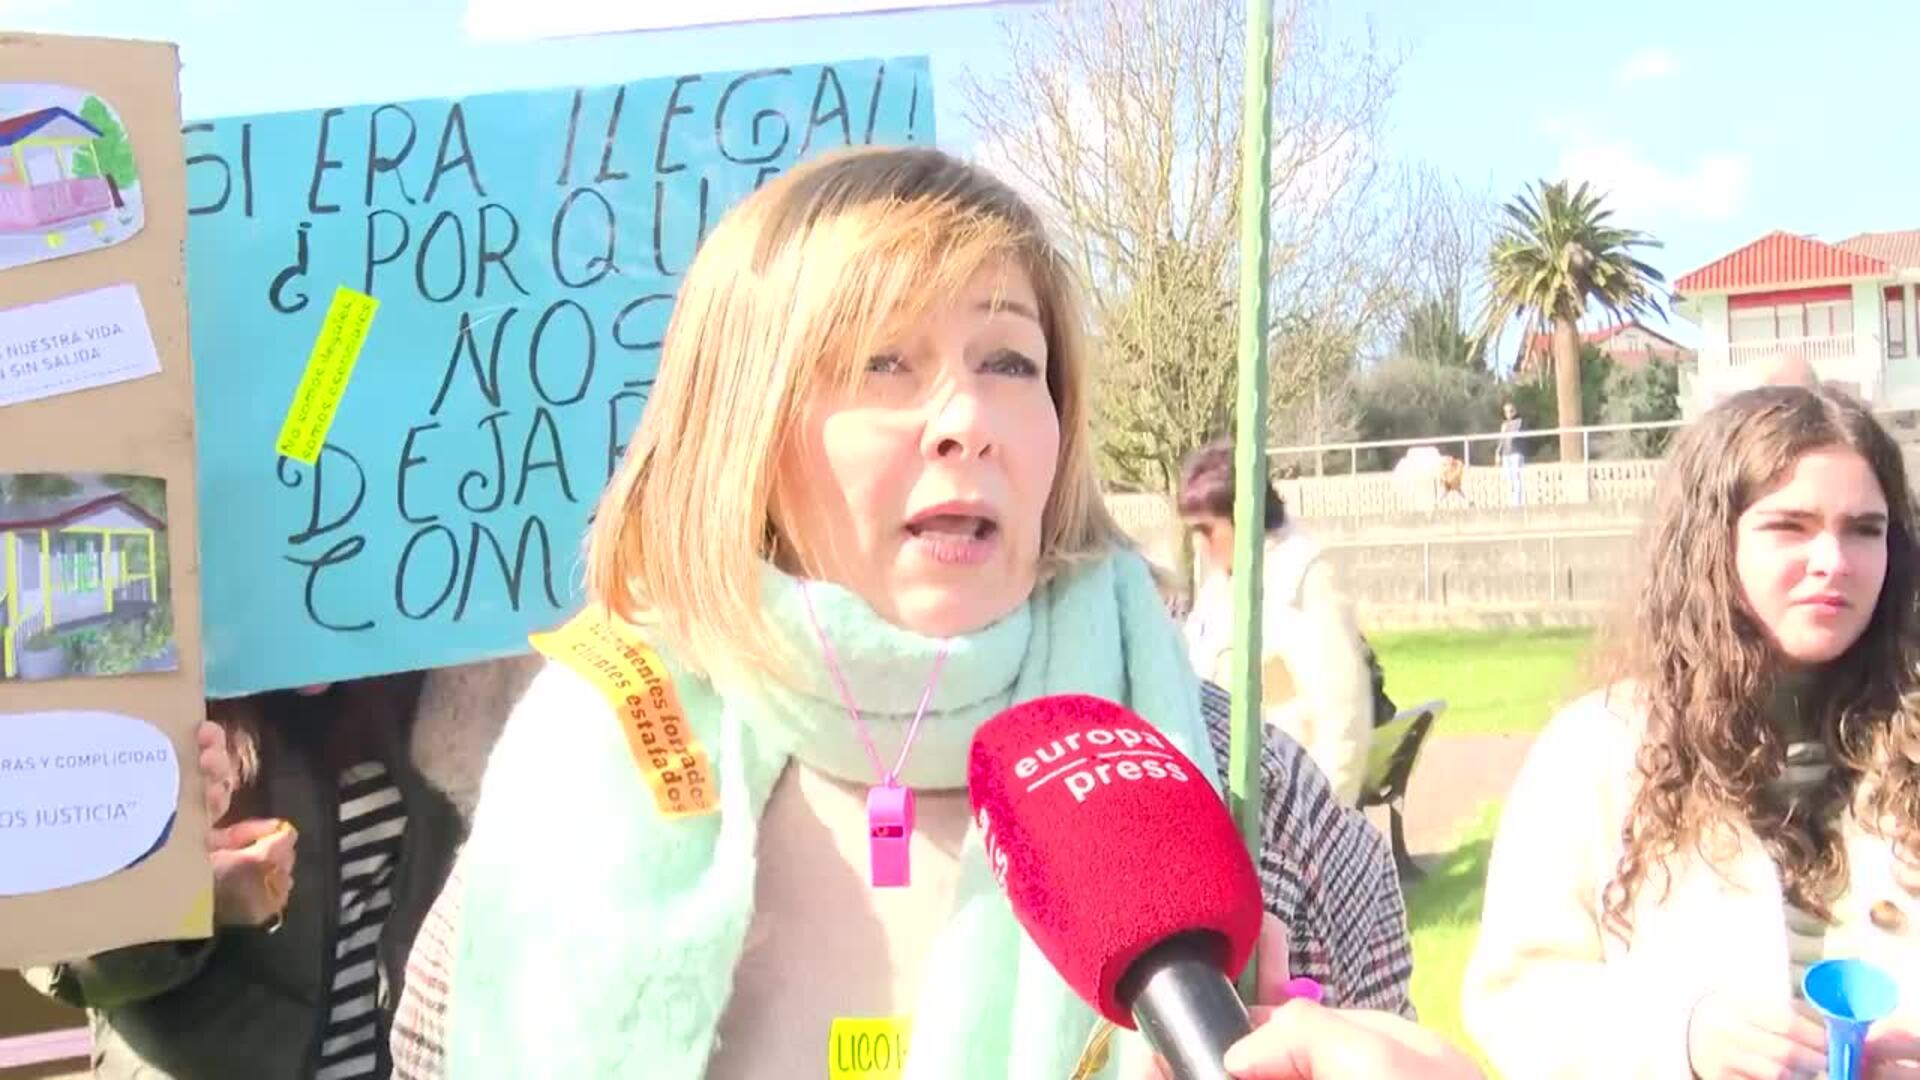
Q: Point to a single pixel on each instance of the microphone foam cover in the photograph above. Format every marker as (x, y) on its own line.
(1108, 841)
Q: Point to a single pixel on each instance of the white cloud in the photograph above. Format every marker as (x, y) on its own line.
(1652, 62)
(1712, 187)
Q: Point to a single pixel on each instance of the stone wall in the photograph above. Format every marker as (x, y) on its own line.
(1493, 566)
(1556, 560)
(1552, 579)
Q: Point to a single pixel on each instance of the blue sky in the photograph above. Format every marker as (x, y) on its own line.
(1710, 123)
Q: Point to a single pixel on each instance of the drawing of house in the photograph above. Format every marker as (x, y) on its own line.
(38, 188)
(71, 562)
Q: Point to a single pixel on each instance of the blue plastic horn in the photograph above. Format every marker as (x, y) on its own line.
(1852, 995)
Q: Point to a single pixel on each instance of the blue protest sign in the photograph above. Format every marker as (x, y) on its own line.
(454, 309)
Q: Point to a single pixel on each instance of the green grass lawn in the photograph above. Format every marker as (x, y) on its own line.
(1506, 682)
(1495, 682)
(1443, 913)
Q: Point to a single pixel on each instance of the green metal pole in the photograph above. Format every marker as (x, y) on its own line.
(1250, 437)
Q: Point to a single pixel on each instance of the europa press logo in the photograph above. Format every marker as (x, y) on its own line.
(1083, 762)
(1034, 761)
(1087, 761)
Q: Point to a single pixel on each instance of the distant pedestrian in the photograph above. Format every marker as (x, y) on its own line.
(1511, 456)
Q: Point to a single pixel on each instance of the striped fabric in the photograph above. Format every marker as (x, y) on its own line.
(1326, 873)
(1808, 765)
(372, 820)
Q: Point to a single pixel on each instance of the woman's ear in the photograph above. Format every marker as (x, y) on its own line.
(776, 550)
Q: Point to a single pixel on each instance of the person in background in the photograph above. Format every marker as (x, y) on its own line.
(1315, 680)
(861, 497)
(1793, 369)
(462, 709)
(1512, 459)
(308, 951)
(1742, 799)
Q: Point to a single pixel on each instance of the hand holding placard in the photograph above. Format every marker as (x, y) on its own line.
(252, 870)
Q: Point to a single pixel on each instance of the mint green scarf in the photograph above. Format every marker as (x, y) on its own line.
(597, 939)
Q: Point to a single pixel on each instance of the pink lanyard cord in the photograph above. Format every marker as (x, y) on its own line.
(888, 777)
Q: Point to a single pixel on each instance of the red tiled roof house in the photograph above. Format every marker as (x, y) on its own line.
(1846, 308)
(1630, 344)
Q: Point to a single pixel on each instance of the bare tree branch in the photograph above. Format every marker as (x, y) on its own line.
(1120, 119)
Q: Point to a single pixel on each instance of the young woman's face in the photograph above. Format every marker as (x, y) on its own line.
(923, 489)
(1811, 555)
(1215, 536)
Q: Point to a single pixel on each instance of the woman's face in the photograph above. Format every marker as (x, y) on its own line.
(1811, 555)
(1215, 536)
(922, 490)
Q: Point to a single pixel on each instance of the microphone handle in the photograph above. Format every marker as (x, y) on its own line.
(1186, 1006)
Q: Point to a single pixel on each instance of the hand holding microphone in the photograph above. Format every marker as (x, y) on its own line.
(1295, 1038)
(1125, 869)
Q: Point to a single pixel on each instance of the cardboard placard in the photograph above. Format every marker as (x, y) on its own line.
(100, 654)
(426, 330)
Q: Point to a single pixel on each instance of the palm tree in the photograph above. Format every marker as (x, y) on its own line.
(1554, 257)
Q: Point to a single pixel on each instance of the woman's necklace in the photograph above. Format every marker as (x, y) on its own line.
(889, 802)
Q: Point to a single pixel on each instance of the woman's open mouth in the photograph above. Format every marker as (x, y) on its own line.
(954, 538)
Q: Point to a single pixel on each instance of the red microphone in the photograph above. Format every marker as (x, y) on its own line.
(1125, 868)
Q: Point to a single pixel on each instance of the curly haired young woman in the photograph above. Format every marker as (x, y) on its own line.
(1743, 798)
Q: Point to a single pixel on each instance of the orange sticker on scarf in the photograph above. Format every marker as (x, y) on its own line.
(634, 680)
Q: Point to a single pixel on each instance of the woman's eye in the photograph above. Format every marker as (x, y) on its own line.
(885, 364)
(1011, 362)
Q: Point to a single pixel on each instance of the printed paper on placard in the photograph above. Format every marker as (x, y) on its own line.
(85, 581)
(83, 794)
(68, 182)
(75, 343)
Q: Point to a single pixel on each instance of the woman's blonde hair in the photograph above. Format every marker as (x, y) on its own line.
(789, 296)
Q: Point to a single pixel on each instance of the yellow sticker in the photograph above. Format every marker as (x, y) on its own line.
(867, 1047)
(328, 368)
(199, 920)
(630, 675)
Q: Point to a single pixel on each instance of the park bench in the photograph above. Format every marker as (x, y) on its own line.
(1390, 759)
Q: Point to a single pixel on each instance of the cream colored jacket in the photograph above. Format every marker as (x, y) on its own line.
(1547, 995)
(1315, 685)
(461, 714)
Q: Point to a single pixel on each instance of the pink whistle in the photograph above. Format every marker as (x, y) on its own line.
(1303, 987)
(890, 830)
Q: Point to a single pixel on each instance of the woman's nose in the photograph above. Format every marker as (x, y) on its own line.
(960, 426)
(1827, 555)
